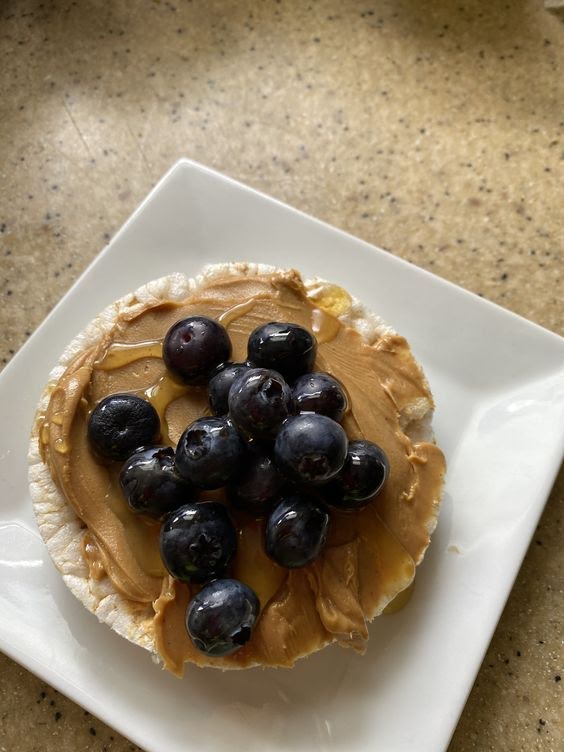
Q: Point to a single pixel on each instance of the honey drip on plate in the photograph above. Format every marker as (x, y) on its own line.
(121, 354)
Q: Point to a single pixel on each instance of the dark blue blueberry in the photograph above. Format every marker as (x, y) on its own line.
(362, 477)
(198, 541)
(310, 449)
(256, 486)
(287, 348)
(220, 385)
(220, 618)
(259, 401)
(150, 483)
(296, 531)
(209, 452)
(194, 347)
(320, 393)
(120, 424)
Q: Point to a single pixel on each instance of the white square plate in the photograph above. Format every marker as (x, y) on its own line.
(499, 387)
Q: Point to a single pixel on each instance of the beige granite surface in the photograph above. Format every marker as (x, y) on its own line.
(433, 129)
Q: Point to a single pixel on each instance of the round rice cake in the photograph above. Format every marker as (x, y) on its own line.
(109, 557)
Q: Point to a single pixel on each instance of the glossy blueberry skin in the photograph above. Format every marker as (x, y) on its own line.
(259, 401)
(364, 473)
(150, 483)
(198, 541)
(120, 424)
(194, 347)
(221, 383)
(296, 531)
(320, 393)
(287, 348)
(220, 618)
(310, 449)
(209, 452)
(256, 486)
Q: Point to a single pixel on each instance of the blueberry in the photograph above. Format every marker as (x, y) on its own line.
(198, 541)
(362, 477)
(320, 393)
(296, 531)
(150, 483)
(310, 448)
(121, 423)
(209, 452)
(220, 385)
(256, 486)
(220, 618)
(287, 348)
(259, 401)
(194, 347)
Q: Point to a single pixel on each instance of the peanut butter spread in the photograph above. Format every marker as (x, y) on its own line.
(370, 555)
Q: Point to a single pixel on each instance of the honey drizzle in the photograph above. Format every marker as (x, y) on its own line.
(165, 390)
(400, 601)
(91, 555)
(324, 325)
(237, 311)
(160, 395)
(252, 566)
(43, 438)
(121, 354)
(331, 298)
(44, 432)
(62, 446)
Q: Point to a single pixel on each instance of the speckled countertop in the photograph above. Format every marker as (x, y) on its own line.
(433, 129)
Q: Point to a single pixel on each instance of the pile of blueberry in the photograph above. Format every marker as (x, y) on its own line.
(274, 442)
